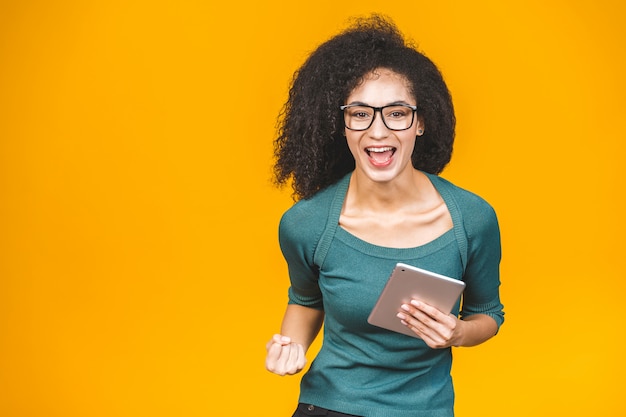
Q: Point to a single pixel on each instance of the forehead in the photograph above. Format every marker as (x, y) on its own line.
(382, 85)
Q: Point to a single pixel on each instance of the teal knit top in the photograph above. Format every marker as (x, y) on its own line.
(362, 369)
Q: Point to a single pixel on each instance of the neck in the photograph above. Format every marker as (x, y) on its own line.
(405, 190)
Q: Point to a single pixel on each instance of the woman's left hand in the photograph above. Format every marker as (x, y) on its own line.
(437, 329)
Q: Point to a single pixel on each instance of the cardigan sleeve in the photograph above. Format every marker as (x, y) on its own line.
(298, 236)
(482, 273)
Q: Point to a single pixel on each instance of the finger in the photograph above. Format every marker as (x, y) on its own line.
(272, 360)
(434, 342)
(417, 318)
(418, 322)
(292, 357)
(447, 322)
(278, 359)
(278, 339)
(283, 359)
(434, 333)
(291, 360)
(431, 337)
(296, 359)
(429, 310)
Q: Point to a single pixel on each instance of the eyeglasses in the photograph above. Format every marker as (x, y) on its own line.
(394, 116)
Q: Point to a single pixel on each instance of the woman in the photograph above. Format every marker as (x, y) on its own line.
(368, 125)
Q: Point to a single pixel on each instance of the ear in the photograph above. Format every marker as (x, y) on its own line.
(420, 126)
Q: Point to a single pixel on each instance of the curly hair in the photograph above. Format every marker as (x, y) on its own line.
(311, 149)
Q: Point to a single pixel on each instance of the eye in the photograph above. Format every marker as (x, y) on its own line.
(360, 113)
(397, 112)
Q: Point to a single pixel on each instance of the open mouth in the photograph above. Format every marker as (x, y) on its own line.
(380, 155)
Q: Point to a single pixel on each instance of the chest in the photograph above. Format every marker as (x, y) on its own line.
(399, 229)
(356, 271)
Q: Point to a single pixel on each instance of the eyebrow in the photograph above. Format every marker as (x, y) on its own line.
(394, 103)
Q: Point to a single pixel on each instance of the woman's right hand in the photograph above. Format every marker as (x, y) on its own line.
(284, 357)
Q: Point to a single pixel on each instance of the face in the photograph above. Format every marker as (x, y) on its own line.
(382, 154)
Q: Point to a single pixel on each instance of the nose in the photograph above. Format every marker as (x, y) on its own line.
(378, 128)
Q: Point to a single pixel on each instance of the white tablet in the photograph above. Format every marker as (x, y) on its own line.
(406, 283)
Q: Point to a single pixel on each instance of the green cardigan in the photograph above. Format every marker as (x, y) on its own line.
(362, 369)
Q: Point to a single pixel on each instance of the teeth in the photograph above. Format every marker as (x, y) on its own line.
(389, 148)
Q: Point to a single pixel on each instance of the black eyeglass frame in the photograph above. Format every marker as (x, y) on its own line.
(379, 110)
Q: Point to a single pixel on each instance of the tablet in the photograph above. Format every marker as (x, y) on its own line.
(408, 282)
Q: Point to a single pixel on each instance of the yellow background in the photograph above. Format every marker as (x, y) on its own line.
(139, 268)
